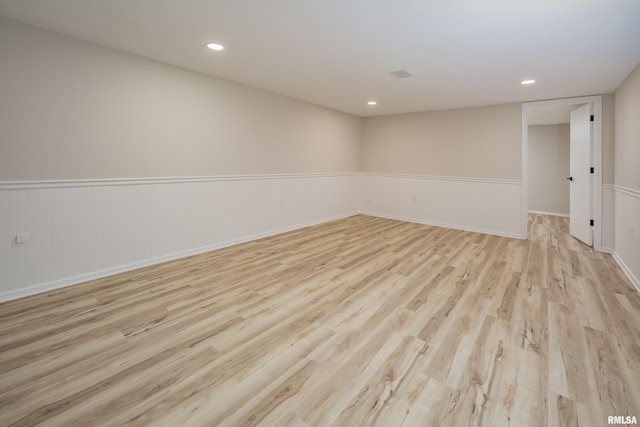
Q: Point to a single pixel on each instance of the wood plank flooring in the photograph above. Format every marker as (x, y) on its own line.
(360, 321)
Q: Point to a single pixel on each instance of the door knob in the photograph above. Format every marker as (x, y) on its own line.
(570, 178)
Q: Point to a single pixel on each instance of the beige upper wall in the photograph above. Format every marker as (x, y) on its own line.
(74, 110)
(607, 138)
(70, 109)
(627, 132)
(482, 142)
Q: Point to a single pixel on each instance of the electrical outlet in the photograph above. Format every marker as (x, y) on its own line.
(21, 238)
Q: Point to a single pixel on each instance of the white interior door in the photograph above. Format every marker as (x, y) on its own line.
(580, 175)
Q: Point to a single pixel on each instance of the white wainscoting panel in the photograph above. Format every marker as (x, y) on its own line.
(626, 249)
(607, 218)
(480, 205)
(81, 230)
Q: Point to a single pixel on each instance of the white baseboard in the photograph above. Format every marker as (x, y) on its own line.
(70, 281)
(444, 225)
(548, 213)
(634, 280)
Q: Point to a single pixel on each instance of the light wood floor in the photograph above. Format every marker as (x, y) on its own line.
(361, 321)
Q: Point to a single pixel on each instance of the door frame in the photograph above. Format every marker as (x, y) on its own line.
(596, 159)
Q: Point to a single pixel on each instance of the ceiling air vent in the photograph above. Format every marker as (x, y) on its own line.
(401, 74)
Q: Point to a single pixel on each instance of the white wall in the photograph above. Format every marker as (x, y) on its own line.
(626, 186)
(626, 247)
(481, 142)
(127, 136)
(608, 141)
(548, 169)
(110, 161)
(74, 110)
(490, 206)
(462, 167)
(81, 230)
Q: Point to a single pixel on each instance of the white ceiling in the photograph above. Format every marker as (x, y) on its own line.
(339, 53)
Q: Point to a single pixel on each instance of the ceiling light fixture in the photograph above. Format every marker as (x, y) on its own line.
(372, 103)
(215, 46)
(527, 82)
(401, 74)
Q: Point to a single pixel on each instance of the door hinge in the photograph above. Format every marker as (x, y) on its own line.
(592, 170)
(592, 117)
(591, 223)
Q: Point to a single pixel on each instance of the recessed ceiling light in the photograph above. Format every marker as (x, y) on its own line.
(372, 103)
(215, 46)
(401, 74)
(527, 82)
